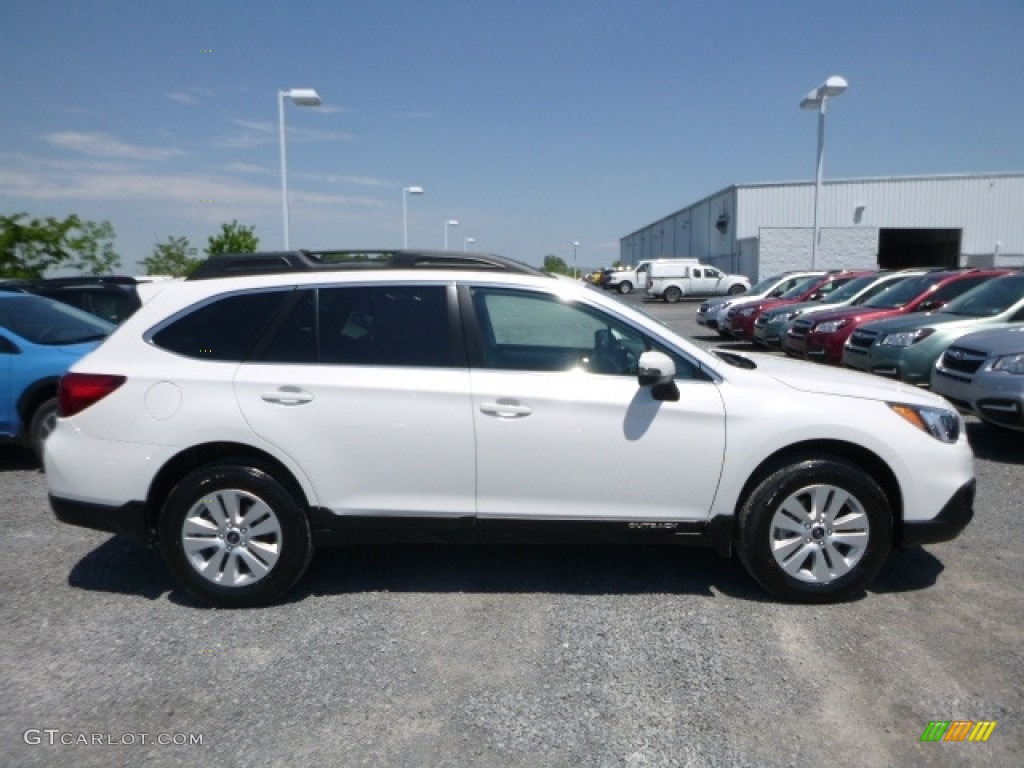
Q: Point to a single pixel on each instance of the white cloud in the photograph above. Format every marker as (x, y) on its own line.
(104, 145)
(249, 168)
(257, 133)
(25, 178)
(190, 96)
(183, 98)
(359, 181)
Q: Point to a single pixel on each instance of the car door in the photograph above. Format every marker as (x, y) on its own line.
(363, 387)
(563, 429)
(709, 282)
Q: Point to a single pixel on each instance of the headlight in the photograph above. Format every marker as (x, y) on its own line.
(748, 311)
(790, 315)
(1010, 363)
(906, 338)
(830, 327)
(940, 423)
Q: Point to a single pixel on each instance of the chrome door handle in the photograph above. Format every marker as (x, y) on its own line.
(287, 396)
(506, 408)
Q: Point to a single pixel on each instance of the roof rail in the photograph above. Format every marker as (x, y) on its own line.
(276, 262)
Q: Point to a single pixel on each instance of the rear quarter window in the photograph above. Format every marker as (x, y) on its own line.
(224, 329)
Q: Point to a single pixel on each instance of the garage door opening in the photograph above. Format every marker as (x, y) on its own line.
(903, 248)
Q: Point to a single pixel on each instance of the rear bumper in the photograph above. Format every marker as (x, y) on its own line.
(945, 526)
(128, 519)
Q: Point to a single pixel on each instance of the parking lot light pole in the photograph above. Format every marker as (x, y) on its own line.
(466, 242)
(817, 99)
(448, 223)
(575, 245)
(406, 191)
(301, 97)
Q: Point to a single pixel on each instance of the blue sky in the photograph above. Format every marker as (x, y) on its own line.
(533, 123)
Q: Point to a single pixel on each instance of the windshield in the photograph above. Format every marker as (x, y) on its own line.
(906, 291)
(43, 321)
(989, 298)
(767, 284)
(801, 288)
(849, 290)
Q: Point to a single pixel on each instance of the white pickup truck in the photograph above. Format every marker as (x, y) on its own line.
(626, 279)
(672, 282)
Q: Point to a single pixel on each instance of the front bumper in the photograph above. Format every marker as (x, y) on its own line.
(992, 397)
(900, 363)
(823, 348)
(945, 526)
(769, 335)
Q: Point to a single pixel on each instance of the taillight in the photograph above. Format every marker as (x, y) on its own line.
(80, 390)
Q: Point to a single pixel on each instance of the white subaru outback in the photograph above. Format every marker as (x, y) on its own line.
(239, 421)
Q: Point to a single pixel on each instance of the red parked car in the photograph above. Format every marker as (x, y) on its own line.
(739, 320)
(821, 336)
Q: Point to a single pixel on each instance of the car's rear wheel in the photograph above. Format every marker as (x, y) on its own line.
(625, 287)
(817, 530)
(673, 294)
(42, 423)
(736, 289)
(234, 536)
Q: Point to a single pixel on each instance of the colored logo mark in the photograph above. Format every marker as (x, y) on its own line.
(958, 730)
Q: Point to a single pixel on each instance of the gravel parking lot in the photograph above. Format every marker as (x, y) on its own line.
(511, 655)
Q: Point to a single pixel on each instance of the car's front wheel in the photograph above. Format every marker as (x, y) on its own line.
(234, 536)
(625, 287)
(816, 530)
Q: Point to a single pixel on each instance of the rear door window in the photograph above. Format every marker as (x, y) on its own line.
(401, 325)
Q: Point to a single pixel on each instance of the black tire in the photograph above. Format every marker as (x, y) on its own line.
(264, 545)
(824, 564)
(672, 294)
(736, 289)
(43, 420)
(625, 287)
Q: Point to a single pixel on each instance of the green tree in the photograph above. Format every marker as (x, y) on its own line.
(31, 248)
(233, 238)
(556, 265)
(175, 257)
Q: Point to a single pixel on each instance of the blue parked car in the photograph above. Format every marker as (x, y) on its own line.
(39, 340)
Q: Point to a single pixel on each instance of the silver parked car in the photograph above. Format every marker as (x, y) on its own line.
(983, 373)
(769, 288)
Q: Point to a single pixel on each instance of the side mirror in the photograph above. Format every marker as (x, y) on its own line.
(928, 306)
(657, 371)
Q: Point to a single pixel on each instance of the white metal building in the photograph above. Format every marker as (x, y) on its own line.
(892, 223)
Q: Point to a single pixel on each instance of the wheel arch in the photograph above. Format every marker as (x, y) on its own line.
(210, 453)
(35, 395)
(855, 454)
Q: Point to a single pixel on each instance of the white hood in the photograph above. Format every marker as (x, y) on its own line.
(827, 380)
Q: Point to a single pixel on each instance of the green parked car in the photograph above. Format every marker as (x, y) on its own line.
(907, 347)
